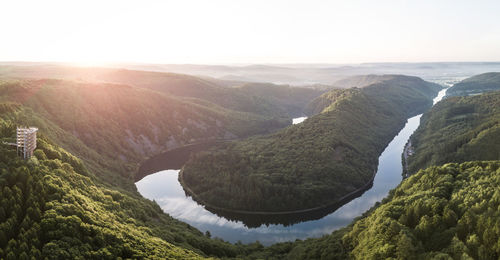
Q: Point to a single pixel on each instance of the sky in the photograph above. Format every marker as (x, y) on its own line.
(253, 31)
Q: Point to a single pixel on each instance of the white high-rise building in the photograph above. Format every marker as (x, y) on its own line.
(26, 141)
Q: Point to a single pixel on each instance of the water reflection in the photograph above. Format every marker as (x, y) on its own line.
(165, 189)
(298, 120)
(439, 96)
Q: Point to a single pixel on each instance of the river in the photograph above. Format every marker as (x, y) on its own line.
(164, 188)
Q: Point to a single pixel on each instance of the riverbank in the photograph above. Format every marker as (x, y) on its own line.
(165, 188)
(177, 157)
(409, 149)
(209, 206)
(407, 152)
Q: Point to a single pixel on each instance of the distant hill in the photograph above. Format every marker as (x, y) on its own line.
(397, 81)
(293, 74)
(189, 86)
(360, 81)
(458, 129)
(260, 98)
(294, 100)
(226, 94)
(476, 85)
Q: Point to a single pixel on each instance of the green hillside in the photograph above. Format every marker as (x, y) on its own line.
(263, 99)
(92, 210)
(361, 81)
(117, 126)
(54, 206)
(294, 100)
(396, 81)
(458, 129)
(446, 212)
(189, 86)
(313, 163)
(477, 84)
(443, 212)
(49, 208)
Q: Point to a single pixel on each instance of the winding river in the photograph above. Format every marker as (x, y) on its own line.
(164, 188)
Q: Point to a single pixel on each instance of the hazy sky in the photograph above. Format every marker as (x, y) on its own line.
(237, 31)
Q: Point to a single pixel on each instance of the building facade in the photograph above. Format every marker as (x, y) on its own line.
(26, 141)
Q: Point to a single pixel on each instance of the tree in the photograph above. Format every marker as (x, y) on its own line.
(405, 248)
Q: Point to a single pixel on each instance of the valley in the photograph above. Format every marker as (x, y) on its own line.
(95, 135)
(269, 229)
(250, 130)
(293, 169)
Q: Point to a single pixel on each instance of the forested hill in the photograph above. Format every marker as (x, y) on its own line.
(313, 163)
(446, 212)
(264, 99)
(260, 98)
(361, 81)
(458, 129)
(451, 211)
(53, 207)
(477, 84)
(117, 126)
(425, 88)
(50, 209)
(292, 99)
(79, 202)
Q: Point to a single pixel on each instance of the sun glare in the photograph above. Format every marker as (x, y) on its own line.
(222, 31)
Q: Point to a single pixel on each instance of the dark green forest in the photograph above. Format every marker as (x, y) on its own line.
(314, 163)
(443, 212)
(51, 209)
(57, 206)
(458, 129)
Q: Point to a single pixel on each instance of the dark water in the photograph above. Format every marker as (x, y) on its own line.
(165, 189)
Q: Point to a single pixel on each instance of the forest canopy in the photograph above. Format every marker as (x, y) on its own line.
(316, 162)
(445, 212)
(458, 129)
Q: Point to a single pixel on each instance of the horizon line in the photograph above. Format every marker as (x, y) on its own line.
(244, 64)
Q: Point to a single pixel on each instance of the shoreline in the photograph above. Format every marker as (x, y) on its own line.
(408, 148)
(180, 154)
(287, 212)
